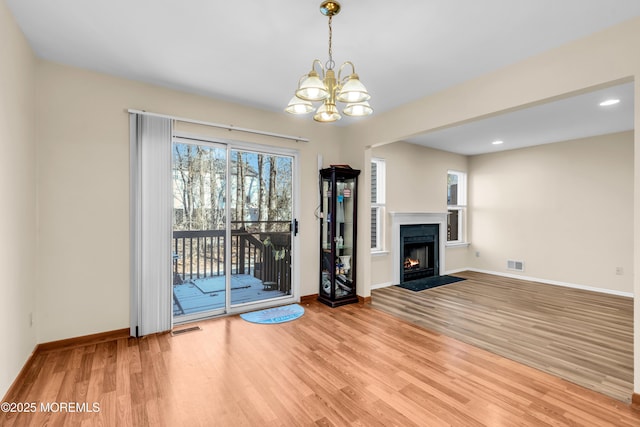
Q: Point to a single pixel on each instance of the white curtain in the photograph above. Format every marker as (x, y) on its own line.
(151, 224)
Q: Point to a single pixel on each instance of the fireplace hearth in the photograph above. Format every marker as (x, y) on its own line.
(419, 251)
(399, 219)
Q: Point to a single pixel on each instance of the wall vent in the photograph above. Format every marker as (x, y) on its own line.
(515, 265)
(185, 330)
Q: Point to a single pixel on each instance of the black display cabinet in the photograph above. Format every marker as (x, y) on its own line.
(338, 235)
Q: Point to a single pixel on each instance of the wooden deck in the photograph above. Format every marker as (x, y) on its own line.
(581, 336)
(205, 294)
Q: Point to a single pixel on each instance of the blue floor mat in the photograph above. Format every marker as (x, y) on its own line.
(275, 315)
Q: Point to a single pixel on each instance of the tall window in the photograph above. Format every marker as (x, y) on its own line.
(377, 204)
(456, 205)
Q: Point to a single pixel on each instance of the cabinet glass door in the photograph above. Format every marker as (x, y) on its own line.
(328, 261)
(344, 236)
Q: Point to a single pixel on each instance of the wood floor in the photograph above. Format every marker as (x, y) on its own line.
(584, 337)
(349, 366)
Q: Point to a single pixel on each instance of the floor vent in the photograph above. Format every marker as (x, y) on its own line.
(515, 265)
(185, 330)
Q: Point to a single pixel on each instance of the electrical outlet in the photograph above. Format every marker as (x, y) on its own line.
(477, 254)
(30, 319)
(619, 271)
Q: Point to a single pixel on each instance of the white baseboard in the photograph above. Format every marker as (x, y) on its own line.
(549, 282)
(458, 270)
(381, 285)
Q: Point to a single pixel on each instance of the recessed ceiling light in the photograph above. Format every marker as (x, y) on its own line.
(609, 102)
(497, 142)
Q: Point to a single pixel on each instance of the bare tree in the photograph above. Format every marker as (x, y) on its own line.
(262, 206)
(240, 192)
(215, 193)
(273, 197)
(262, 187)
(284, 185)
(183, 166)
(199, 197)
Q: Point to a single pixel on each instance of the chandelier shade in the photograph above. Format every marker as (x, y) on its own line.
(311, 88)
(299, 106)
(353, 91)
(327, 113)
(358, 109)
(324, 87)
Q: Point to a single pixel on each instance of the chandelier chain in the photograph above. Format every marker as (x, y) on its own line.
(330, 63)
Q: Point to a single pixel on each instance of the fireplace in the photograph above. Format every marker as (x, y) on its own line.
(419, 251)
(433, 252)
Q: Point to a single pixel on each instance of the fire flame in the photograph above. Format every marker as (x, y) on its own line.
(410, 263)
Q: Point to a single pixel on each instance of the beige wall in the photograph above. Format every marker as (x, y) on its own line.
(416, 179)
(565, 209)
(18, 194)
(551, 206)
(83, 135)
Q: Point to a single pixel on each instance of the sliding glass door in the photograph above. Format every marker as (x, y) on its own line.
(261, 221)
(199, 229)
(226, 256)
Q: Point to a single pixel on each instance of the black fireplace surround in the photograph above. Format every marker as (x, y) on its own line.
(419, 247)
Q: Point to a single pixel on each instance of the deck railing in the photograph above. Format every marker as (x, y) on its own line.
(265, 255)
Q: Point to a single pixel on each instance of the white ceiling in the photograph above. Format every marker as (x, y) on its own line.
(574, 117)
(253, 53)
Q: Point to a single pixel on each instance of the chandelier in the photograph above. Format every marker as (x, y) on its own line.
(327, 89)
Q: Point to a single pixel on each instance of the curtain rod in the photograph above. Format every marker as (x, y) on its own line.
(218, 125)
